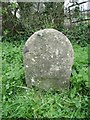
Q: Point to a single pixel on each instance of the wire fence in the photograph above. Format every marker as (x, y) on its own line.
(74, 15)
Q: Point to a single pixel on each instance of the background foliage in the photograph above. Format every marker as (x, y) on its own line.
(33, 16)
(23, 19)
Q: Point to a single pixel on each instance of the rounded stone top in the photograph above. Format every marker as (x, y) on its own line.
(48, 59)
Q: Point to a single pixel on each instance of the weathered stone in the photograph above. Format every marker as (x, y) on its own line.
(48, 60)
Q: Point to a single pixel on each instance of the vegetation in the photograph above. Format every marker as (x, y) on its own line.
(22, 102)
(19, 101)
(33, 16)
(78, 34)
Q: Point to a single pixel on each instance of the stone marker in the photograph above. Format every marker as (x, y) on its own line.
(48, 60)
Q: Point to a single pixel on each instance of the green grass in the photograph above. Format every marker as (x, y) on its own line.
(19, 101)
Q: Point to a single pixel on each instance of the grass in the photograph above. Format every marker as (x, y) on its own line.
(19, 101)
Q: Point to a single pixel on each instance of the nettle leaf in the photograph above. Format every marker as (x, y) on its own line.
(7, 86)
(73, 92)
(78, 113)
(77, 102)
